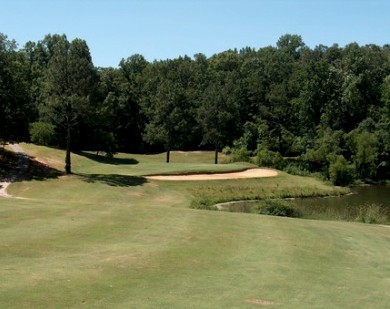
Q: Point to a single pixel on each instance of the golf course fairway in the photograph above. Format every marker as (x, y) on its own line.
(108, 237)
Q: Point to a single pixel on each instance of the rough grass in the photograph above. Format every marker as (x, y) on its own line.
(371, 213)
(282, 186)
(108, 242)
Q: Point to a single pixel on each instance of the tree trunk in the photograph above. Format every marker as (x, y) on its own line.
(67, 157)
(216, 155)
(168, 155)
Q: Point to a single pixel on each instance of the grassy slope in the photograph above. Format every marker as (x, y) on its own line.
(94, 243)
(136, 165)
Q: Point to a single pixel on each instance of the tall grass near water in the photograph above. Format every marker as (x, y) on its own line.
(282, 186)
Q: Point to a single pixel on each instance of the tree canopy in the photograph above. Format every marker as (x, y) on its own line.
(324, 109)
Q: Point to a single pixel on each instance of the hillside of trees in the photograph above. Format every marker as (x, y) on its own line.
(324, 110)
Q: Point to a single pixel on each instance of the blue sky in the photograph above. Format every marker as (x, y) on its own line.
(116, 29)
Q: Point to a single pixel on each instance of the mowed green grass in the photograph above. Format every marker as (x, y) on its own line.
(125, 242)
(137, 165)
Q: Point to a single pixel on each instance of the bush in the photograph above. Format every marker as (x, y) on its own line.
(42, 133)
(269, 158)
(278, 208)
(340, 173)
(105, 141)
(227, 150)
(296, 169)
(239, 155)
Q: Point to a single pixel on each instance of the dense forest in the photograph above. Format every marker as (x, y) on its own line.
(324, 110)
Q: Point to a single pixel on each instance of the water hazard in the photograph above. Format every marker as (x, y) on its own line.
(366, 203)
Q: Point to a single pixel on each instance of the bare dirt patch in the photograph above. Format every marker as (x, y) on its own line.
(3, 189)
(251, 173)
(261, 302)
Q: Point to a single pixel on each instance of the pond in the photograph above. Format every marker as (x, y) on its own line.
(366, 203)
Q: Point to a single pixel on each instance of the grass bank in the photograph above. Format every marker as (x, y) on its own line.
(283, 186)
(372, 213)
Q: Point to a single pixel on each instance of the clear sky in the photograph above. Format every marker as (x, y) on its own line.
(161, 29)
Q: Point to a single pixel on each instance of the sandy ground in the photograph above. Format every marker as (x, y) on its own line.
(3, 189)
(251, 173)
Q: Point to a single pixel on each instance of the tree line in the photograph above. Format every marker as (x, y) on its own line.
(306, 110)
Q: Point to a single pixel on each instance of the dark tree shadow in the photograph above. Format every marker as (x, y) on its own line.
(16, 167)
(114, 180)
(107, 160)
(39, 171)
(8, 162)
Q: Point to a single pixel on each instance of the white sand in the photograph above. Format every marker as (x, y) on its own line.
(251, 173)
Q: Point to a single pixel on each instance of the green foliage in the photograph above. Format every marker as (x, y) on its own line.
(42, 133)
(277, 208)
(69, 83)
(314, 104)
(216, 114)
(239, 155)
(169, 104)
(15, 108)
(106, 142)
(291, 44)
(329, 142)
(268, 158)
(297, 168)
(251, 136)
(372, 214)
(366, 155)
(364, 146)
(340, 172)
(385, 94)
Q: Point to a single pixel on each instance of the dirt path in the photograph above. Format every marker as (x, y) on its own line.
(251, 173)
(23, 164)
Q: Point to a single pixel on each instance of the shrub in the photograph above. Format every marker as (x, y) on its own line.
(42, 133)
(105, 141)
(371, 213)
(239, 155)
(269, 158)
(340, 173)
(227, 150)
(296, 169)
(277, 208)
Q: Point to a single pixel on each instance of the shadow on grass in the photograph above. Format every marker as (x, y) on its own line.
(107, 160)
(15, 167)
(113, 180)
(39, 171)
(8, 162)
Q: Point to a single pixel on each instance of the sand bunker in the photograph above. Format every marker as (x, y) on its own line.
(251, 173)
